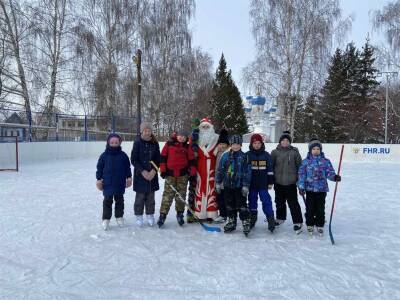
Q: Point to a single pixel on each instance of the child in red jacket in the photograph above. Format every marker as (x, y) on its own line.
(177, 164)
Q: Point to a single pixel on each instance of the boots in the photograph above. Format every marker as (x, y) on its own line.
(253, 218)
(231, 225)
(189, 217)
(120, 222)
(161, 220)
(139, 221)
(150, 220)
(180, 218)
(106, 224)
(271, 223)
(246, 223)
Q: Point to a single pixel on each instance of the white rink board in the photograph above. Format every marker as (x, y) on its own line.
(44, 151)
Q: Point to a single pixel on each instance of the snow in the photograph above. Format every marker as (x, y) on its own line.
(53, 247)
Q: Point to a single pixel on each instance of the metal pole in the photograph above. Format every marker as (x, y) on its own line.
(57, 127)
(388, 74)
(86, 129)
(386, 108)
(138, 61)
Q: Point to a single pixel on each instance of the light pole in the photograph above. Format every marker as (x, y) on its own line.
(388, 74)
(138, 61)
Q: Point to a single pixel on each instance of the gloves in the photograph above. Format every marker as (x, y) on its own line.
(128, 182)
(337, 178)
(302, 192)
(99, 184)
(219, 188)
(163, 175)
(152, 173)
(245, 191)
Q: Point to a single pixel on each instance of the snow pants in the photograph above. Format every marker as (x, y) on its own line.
(265, 200)
(287, 193)
(142, 201)
(315, 209)
(236, 203)
(107, 206)
(180, 184)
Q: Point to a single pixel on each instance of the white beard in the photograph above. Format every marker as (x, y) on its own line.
(206, 137)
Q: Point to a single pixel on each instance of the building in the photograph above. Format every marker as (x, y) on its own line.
(262, 117)
(14, 126)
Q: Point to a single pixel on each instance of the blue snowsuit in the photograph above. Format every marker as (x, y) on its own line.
(262, 176)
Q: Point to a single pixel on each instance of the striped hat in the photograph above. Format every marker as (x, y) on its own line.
(236, 139)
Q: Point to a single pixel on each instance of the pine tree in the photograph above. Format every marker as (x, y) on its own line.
(226, 102)
(331, 104)
(307, 123)
(369, 94)
(347, 112)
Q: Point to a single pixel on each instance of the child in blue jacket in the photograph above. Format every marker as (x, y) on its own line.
(313, 174)
(113, 176)
(233, 177)
(262, 180)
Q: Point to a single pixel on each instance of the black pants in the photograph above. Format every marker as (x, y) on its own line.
(287, 193)
(107, 206)
(315, 209)
(222, 205)
(236, 202)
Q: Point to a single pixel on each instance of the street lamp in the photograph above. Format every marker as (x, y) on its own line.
(388, 74)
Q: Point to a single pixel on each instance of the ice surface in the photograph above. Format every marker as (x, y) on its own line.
(53, 247)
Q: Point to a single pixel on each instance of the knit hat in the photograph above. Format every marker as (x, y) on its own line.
(182, 132)
(223, 137)
(314, 142)
(256, 138)
(111, 135)
(236, 139)
(285, 135)
(145, 125)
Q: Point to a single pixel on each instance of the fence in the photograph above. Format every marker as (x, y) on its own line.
(39, 126)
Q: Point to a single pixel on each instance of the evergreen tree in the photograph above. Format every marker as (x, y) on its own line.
(226, 102)
(331, 104)
(347, 112)
(307, 123)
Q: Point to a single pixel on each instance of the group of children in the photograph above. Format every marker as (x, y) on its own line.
(241, 179)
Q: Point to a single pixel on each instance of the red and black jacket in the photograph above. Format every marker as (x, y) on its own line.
(177, 159)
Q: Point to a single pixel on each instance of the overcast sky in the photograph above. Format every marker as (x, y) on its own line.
(218, 29)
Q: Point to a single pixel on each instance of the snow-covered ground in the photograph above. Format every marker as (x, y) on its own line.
(52, 245)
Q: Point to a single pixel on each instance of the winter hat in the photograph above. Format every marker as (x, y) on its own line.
(236, 139)
(285, 135)
(145, 125)
(314, 142)
(112, 135)
(206, 120)
(223, 137)
(256, 138)
(182, 133)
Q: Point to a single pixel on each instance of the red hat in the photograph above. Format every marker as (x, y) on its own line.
(206, 120)
(256, 138)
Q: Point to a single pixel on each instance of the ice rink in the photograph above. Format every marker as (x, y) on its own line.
(53, 247)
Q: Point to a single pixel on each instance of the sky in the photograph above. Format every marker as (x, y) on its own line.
(224, 26)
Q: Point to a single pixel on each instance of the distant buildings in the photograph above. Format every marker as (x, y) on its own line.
(263, 118)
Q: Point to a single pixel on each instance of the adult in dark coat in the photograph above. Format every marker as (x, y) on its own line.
(145, 149)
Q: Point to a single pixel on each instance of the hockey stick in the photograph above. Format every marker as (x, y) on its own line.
(180, 198)
(334, 197)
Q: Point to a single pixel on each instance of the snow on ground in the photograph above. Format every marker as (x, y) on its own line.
(52, 245)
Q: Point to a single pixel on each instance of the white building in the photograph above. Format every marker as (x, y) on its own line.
(261, 114)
